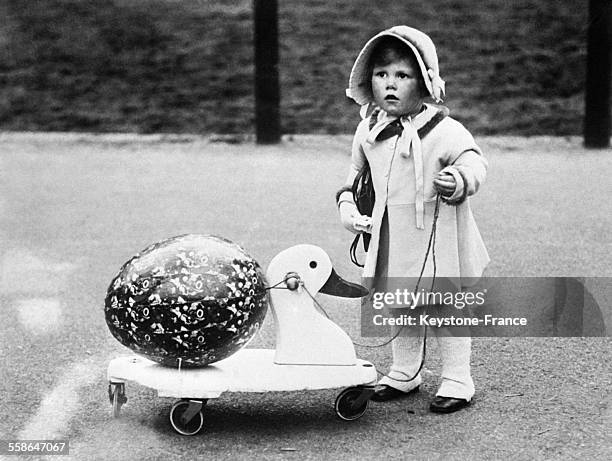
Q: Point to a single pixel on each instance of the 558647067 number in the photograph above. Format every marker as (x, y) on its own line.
(42, 447)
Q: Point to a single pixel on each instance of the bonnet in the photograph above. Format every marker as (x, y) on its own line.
(360, 88)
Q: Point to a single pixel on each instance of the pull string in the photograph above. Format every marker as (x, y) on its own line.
(431, 247)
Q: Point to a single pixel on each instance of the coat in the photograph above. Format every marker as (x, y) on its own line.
(403, 169)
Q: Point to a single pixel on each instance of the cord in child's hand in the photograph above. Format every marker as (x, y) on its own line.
(445, 184)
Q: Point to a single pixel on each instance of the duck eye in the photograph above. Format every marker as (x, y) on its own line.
(313, 264)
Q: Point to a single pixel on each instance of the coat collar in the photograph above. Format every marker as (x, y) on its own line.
(418, 121)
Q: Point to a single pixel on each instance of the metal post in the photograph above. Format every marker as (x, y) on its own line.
(267, 88)
(599, 66)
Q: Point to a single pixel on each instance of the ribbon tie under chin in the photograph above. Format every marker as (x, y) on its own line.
(410, 143)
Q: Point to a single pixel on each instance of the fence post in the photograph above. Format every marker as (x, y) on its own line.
(267, 88)
(598, 69)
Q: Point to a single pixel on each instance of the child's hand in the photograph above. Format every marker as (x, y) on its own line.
(362, 223)
(352, 220)
(445, 184)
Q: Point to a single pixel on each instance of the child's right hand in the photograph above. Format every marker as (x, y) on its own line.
(352, 220)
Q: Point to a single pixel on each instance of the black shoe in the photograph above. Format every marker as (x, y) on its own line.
(384, 393)
(447, 404)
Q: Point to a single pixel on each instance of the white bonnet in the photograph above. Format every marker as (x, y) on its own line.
(360, 88)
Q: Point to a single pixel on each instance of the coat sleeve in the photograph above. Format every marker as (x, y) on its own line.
(467, 166)
(358, 160)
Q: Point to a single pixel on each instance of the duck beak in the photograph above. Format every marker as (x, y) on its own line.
(337, 286)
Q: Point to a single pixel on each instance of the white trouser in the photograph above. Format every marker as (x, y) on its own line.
(455, 352)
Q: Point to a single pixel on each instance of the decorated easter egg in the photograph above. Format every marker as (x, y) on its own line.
(187, 301)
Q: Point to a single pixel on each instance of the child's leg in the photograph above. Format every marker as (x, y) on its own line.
(407, 355)
(456, 377)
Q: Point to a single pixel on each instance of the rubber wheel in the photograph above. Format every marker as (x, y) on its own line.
(185, 428)
(344, 404)
(117, 394)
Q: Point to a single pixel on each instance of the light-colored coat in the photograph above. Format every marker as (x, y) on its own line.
(448, 147)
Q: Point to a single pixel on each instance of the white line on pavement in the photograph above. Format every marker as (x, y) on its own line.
(58, 406)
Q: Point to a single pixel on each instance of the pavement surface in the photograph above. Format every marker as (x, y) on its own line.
(75, 207)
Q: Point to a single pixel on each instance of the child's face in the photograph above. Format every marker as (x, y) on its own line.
(396, 88)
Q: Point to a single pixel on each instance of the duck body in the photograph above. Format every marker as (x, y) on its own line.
(304, 335)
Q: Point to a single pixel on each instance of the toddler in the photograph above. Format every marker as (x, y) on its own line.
(415, 152)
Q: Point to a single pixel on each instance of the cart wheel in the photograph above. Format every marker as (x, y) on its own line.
(191, 409)
(344, 404)
(116, 394)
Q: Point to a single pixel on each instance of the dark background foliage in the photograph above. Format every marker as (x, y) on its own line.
(511, 66)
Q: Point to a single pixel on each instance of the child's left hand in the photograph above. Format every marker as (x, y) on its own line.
(445, 184)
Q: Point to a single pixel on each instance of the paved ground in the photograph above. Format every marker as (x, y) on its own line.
(75, 207)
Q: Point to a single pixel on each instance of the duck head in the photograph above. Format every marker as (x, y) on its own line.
(309, 266)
